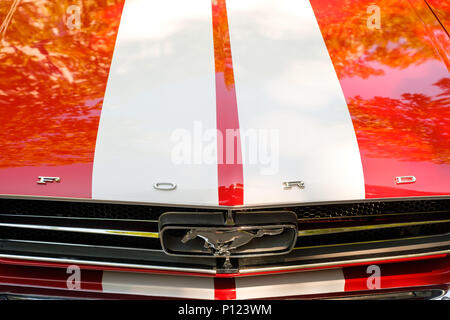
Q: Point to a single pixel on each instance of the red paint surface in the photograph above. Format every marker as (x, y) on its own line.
(45, 264)
(52, 84)
(90, 280)
(401, 275)
(224, 289)
(230, 171)
(394, 274)
(73, 294)
(442, 11)
(349, 265)
(397, 86)
(358, 293)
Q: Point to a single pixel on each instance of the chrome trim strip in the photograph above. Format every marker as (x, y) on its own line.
(34, 297)
(405, 294)
(222, 208)
(141, 234)
(108, 264)
(399, 248)
(298, 266)
(155, 235)
(74, 218)
(339, 263)
(314, 232)
(81, 245)
(364, 242)
(213, 272)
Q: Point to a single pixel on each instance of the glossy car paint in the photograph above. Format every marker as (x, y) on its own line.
(230, 174)
(162, 81)
(354, 107)
(52, 84)
(323, 125)
(442, 10)
(396, 83)
(286, 82)
(410, 274)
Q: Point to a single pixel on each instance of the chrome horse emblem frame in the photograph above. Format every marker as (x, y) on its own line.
(222, 242)
(228, 234)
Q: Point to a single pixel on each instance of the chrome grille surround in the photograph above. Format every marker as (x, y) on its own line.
(329, 234)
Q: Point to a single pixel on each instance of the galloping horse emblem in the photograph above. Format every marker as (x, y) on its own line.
(221, 242)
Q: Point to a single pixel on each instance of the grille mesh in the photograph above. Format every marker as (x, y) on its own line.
(85, 209)
(370, 208)
(142, 212)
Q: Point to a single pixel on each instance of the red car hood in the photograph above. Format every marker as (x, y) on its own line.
(233, 104)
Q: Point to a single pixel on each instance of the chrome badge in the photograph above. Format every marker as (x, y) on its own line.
(290, 184)
(209, 234)
(405, 179)
(165, 186)
(44, 180)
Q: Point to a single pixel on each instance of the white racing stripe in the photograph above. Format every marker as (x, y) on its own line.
(158, 285)
(252, 287)
(285, 81)
(290, 284)
(161, 80)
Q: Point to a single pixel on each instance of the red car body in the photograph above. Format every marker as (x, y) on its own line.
(357, 93)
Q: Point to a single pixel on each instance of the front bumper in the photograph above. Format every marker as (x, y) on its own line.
(425, 277)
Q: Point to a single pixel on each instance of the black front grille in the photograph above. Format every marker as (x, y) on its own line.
(31, 227)
(373, 235)
(100, 240)
(144, 212)
(87, 209)
(370, 208)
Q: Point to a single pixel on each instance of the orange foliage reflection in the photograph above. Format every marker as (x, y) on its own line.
(402, 41)
(394, 117)
(222, 46)
(53, 79)
(442, 10)
(397, 86)
(412, 127)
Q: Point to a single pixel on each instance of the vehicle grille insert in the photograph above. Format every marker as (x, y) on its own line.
(135, 227)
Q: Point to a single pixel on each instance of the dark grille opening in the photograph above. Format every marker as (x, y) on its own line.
(372, 214)
(26, 222)
(87, 209)
(144, 212)
(342, 222)
(370, 208)
(373, 235)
